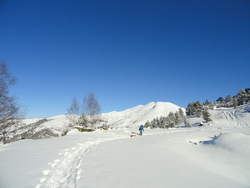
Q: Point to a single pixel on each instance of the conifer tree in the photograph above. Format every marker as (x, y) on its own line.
(206, 115)
(148, 124)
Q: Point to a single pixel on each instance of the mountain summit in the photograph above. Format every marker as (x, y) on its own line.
(139, 115)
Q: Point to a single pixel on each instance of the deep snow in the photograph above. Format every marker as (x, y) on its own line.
(214, 155)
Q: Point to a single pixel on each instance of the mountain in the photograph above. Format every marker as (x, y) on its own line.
(138, 115)
(36, 128)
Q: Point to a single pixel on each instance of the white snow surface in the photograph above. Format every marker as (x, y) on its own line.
(215, 155)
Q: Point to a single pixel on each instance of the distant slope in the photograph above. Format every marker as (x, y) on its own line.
(226, 117)
(231, 117)
(139, 115)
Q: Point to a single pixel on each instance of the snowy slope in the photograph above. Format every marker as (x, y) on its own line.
(214, 155)
(36, 128)
(139, 115)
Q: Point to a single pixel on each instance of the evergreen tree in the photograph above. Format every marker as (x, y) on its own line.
(181, 112)
(199, 108)
(235, 102)
(220, 100)
(171, 119)
(243, 96)
(177, 117)
(228, 101)
(148, 124)
(190, 111)
(186, 122)
(194, 108)
(206, 115)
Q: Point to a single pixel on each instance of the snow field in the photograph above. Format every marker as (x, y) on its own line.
(167, 160)
(215, 155)
(160, 158)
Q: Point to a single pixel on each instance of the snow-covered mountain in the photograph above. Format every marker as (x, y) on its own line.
(36, 128)
(139, 115)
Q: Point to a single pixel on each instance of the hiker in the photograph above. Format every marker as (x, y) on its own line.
(141, 128)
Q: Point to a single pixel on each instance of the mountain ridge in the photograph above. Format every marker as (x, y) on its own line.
(139, 114)
(59, 125)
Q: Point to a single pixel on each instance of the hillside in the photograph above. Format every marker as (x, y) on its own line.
(36, 128)
(139, 115)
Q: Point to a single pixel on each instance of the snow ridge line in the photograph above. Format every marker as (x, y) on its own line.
(66, 171)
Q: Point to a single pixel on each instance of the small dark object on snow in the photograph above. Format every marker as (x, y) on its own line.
(195, 143)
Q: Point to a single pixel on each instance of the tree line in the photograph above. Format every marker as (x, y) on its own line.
(242, 97)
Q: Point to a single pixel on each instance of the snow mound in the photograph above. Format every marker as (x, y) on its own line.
(234, 142)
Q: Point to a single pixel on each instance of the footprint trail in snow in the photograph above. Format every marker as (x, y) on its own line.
(65, 171)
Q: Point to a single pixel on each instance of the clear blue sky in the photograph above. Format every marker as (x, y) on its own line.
(126, 52)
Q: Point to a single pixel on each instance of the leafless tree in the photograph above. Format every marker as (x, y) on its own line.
(9, 111)
(92, 108)
(88, 114)
(73, 112)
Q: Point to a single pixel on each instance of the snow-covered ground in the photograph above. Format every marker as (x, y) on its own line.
(214, 155)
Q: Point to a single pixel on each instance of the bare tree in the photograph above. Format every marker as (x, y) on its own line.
(73, 112)
(9, 111)
(92, 108)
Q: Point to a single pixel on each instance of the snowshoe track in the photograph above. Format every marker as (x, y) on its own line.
(65, 171)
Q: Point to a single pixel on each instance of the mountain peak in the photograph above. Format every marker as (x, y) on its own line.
(139, 114)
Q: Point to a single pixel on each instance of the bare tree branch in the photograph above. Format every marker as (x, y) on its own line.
(9, 111)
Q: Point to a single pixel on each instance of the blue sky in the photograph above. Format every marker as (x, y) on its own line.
(126, 52)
